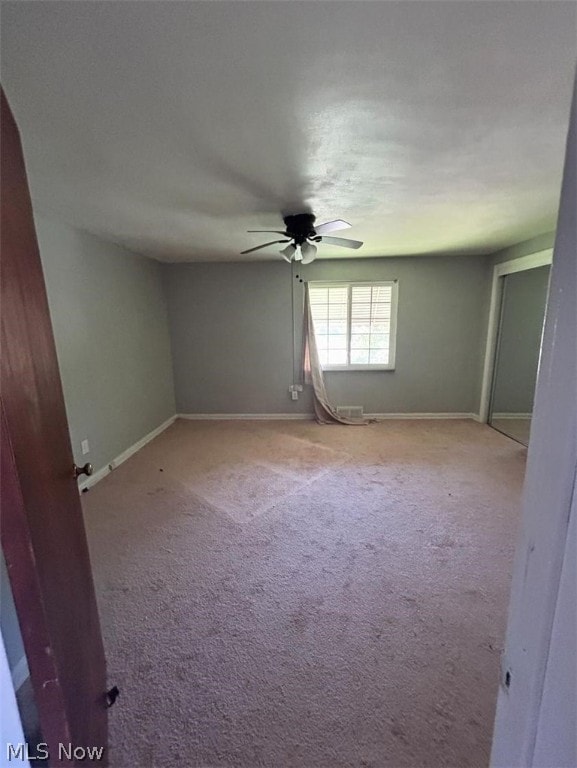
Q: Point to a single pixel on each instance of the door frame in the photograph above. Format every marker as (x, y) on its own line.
(523, 263)
(530, 708)
(10, 723)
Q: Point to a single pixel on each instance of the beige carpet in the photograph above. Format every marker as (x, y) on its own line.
(283, 594)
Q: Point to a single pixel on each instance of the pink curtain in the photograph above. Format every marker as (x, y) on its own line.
(325, 413)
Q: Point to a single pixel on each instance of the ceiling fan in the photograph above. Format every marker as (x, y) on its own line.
(301, 234)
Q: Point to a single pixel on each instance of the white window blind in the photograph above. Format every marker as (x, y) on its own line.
(354, 324)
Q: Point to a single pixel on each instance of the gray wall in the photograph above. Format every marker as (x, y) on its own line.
(8, 619)
(523, 311)
(109, 317)
(231, 328)
(231, 336)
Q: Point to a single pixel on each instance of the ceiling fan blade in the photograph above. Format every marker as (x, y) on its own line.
(309, 252)
(332, 226)
(258, 247)
(270, 231)
(288, 252)
(342, 241)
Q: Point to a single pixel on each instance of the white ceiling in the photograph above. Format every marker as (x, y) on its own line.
(173, 127)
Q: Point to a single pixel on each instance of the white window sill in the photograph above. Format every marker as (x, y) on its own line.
(358, 368)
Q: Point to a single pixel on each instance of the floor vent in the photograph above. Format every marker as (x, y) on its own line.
(350, 411)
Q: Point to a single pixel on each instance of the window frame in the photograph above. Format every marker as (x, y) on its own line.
(350, 284)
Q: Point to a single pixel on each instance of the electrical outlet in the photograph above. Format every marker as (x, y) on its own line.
(294, 390)
(85, 447)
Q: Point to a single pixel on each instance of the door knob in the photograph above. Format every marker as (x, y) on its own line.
(85, 470)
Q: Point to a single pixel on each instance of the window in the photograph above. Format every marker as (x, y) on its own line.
(355, 324)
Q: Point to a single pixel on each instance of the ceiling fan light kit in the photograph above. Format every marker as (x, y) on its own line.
(288, 252)
(309, 252)
(301, 234)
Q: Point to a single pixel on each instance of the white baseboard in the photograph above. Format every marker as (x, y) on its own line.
(246, 416)
(111, 466)
(526, 416)
(310, 416)
(387, 416)
(116, 462)
(20, 673)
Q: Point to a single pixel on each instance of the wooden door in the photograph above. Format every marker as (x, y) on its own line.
(41, 524)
